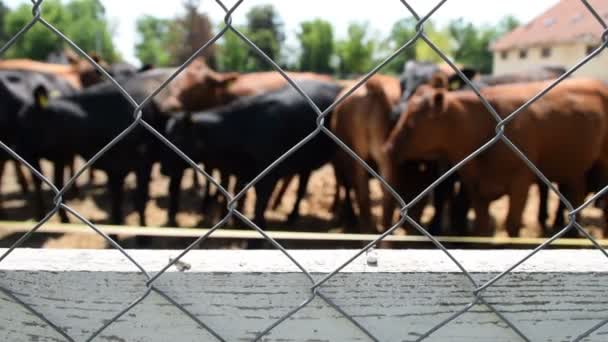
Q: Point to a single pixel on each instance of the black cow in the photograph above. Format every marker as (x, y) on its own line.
(246, 136)
(16, 89)
(82, 124)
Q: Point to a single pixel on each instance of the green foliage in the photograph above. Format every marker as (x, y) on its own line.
(84, 21)
(356, 52)
(164, 42)
(401, 32)
(153, 38)
(440, 38)
(264, 28)
(233, 53)
(472, 44)
(317, 44)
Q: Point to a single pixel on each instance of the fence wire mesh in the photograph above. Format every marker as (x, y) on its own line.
(316, 284)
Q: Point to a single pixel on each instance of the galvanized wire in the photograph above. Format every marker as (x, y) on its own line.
(316, 285)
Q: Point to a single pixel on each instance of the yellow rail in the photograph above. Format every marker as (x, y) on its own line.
(12, 227)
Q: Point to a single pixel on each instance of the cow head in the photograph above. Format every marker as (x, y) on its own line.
(416, 74)
(88, 74)
(199, 87)
(422, 127)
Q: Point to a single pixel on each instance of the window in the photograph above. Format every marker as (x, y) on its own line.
(504, 55)
(545, 52)
(523, 54)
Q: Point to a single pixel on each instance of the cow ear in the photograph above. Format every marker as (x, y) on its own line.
(95, 57)
(223, 79)
(455, 82)
(41, 97)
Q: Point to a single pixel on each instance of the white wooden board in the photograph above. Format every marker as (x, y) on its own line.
(555, 296)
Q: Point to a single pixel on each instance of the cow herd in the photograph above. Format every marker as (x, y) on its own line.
(409, 129)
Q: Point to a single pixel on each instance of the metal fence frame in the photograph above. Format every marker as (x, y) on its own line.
(316, 285)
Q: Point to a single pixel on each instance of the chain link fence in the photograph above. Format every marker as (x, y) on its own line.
(316, 284)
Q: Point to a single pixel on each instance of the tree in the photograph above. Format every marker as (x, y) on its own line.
(88, 27)
(233, 54)
(83, 21)
(401, 32)
(153, 38)
(265, 30)
(189, 33)
(356, 52)
(440, 38)
(3, 12)
(472, 44)
(172, 41)
(317, 46)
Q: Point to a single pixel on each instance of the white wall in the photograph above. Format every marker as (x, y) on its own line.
(566, 55)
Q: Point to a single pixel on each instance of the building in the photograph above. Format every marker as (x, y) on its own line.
(561, 36)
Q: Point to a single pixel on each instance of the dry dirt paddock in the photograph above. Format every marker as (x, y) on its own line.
(315, 210)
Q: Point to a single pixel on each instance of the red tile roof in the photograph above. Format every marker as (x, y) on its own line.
(567, 21)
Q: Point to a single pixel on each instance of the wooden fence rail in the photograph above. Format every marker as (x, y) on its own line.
(554, 296)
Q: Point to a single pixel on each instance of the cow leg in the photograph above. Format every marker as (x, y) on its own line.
(174, 198)
(23, 183)
(335, 204)
(263, 191)
(220, 198)
(441, 194)
(361, 188)
(195, 181)
(59, 167)
(240, 184)
(459, 209)
(575, 191)
(343, 211)
(543, 206)
(302, 187)
(2, 165)
(74, 191)
(115, 183)
(482, 217)
(282, 190)
(517, 202)
(38, 191)
(207, 197)
(388, 202)
(143, 191)
(91, 175)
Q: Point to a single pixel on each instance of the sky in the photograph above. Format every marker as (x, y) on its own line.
(380, 14)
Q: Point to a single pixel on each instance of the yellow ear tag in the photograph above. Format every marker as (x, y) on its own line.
(454, 85)
(43, 101)
(54, 94)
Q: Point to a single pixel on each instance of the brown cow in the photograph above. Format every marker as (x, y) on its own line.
(563, 133)
(364, 120)
(79, 72)
(199, 87)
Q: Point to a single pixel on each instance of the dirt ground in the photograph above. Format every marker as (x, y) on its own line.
(315, 209)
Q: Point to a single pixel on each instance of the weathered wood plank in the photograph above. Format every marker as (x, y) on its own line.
(555, 296)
